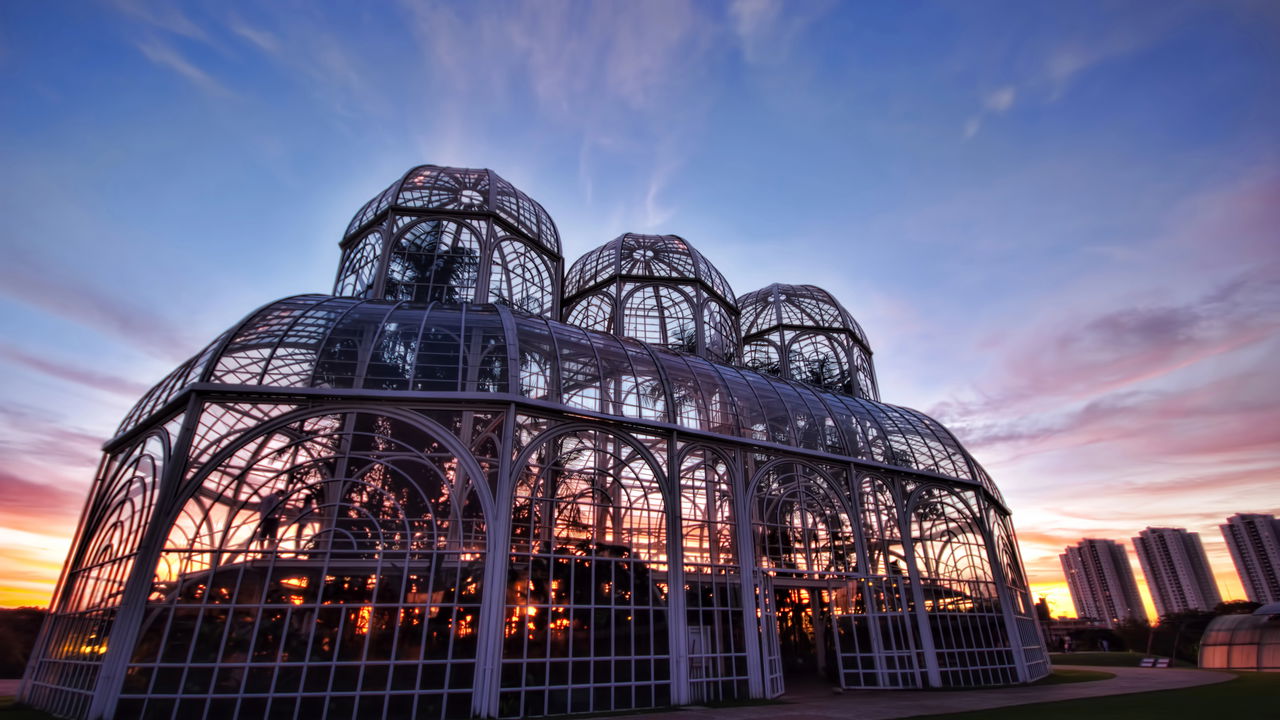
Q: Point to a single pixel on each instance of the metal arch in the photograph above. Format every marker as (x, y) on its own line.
(753, 486)
(559, 430)
(437, 431)
(207, 374)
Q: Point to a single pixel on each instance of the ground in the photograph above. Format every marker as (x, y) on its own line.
(1244, 695)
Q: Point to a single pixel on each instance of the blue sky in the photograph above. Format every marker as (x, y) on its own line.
(1057, 222)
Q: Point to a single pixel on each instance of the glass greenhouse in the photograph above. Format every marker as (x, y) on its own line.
(428, 496)
(1243, 642)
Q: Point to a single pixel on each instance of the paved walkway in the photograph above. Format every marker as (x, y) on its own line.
(886, 704)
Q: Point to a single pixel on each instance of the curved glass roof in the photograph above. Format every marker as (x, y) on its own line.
(431, 187)
(795, 306)
(323, 341)
(1243, 642)
(667, 257)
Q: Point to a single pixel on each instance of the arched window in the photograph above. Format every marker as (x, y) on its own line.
(661, 315)
(360, 266)
(815, 358)
(713, 579)
(593, 312)
(959, 591)
(519, 277)
(81, 621)
(434, 260)
(801, 522)
(720, 333)
(331, 562)
(587, 596)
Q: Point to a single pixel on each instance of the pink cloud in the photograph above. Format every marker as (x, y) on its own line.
(52, 288)
(73, 373)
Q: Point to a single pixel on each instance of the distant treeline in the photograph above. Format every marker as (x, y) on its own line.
(18, 629)
(1177, 635)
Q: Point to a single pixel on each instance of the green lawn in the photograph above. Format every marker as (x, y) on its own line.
(9, 712)
(1249, 695)
(1105, 659)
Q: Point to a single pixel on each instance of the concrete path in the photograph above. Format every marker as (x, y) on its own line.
(886, 704)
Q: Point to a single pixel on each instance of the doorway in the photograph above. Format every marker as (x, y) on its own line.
(805, 642)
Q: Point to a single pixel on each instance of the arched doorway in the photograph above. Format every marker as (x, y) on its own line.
(806, 554)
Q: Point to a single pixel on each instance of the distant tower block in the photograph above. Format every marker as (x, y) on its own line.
(453, 235)
(1254, 541)
(657, 289)
(801, 332)
(1101, 582)
(1177, 570)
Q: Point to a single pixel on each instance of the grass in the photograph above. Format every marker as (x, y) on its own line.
(10, 710)
(1249, 695)
(1106, 659)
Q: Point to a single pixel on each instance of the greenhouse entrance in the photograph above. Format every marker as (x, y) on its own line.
(805, 641)
(842, 630)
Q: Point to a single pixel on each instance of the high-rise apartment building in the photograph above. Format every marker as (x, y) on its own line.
(1254, 541)
(1177, 570)
(1101, 582)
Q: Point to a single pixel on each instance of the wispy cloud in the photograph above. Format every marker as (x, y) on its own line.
(162, 15)
(767, 29)
(1089, 357)
(48, 286)
(168, 57)
(625, 79)
(996, 102)
(38, 440)
(259, 38)
(76, 373)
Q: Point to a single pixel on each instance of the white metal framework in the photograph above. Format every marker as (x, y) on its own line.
(402, 502)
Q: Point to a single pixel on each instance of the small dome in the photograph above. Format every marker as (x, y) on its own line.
(657, 289)
(796, 306)
(801, 332)
(645, 257)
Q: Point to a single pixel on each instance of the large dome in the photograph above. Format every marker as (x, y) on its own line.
(453, 235)
(654, 288)
(802, 333)
(432, 187)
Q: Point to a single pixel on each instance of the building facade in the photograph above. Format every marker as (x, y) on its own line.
(1254, 542)
(1177, 570)
(1101, 582)
(460, 487)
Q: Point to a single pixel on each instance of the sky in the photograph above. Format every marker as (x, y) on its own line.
(1058, 223)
